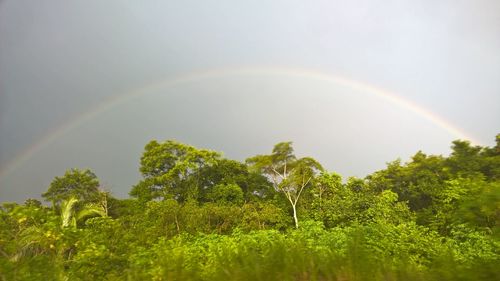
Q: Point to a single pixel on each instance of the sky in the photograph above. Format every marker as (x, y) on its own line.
(354, 84)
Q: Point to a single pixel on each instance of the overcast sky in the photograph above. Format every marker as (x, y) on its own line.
(60, 60)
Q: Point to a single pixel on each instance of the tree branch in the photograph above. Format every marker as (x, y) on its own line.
(302, 188)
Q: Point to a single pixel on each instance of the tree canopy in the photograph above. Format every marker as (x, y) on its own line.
(80, 184)
(196, 215)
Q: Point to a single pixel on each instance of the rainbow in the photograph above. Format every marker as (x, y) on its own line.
(302, 73)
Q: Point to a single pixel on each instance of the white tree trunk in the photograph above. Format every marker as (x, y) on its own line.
(295, 216)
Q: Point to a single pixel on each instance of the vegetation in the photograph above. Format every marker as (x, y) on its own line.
(198, 216)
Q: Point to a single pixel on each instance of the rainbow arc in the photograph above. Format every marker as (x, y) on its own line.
(301, 73)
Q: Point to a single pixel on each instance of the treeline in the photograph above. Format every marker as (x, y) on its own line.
(196, 215)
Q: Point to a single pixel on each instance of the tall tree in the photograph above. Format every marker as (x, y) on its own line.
(230, 172)
(465, 159)
(80, 184)
(289, 175)
(172, 170)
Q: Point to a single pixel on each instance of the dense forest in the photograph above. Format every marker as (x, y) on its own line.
(196, 215)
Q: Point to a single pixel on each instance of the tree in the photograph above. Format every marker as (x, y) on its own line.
(30, 202)
(289, 175)
(418, 182)
(80, 184)
(226, 194)
(230, 172)
(491, 159)
(465, 159)
(327, 183)
(171, 170)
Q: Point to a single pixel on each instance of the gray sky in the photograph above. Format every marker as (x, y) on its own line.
(62, 59)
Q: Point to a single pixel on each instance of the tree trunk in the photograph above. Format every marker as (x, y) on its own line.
(295, 216)
(177, 225)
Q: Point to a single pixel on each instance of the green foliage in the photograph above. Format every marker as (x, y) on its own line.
(171, 171)
(198, 216)
(372, 252)
(102, 255)
(481, 208)
(32, 244)
(289, 175)
(229, 172)
(72, 211)
(80, 184)
(225, 194)
(263, 215)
